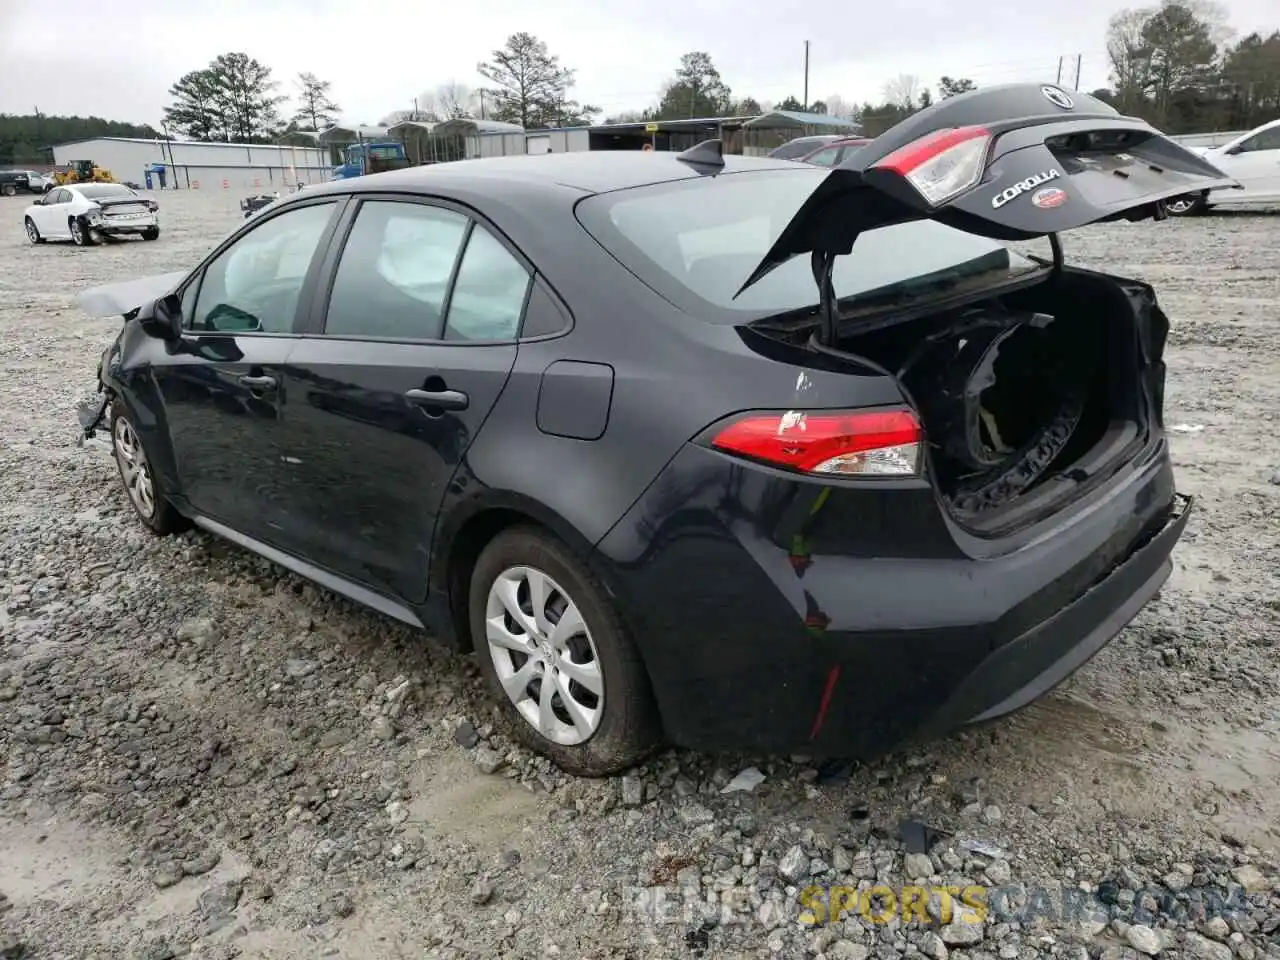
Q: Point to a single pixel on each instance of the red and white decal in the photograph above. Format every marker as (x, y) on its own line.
(1049, 197)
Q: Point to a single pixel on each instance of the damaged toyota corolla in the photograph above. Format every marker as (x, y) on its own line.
(727, 452)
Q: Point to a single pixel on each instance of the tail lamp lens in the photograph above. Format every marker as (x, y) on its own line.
(943, 164)
(852, 444)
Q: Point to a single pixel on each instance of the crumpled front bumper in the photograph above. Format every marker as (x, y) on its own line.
(90, 413)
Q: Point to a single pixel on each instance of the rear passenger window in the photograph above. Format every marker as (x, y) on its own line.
(489, 294)
(393, 277)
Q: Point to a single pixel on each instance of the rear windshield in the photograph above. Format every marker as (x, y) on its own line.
(697, 241)
(102, 191)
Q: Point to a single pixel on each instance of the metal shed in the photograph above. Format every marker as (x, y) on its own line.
(197, 165)
(767, 131)
(470, 138)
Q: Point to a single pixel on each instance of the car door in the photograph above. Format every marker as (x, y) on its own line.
(408, 356)
(221, 388)
(51, 217)
(1255, 163)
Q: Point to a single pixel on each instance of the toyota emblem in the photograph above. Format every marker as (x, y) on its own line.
(1057, 97)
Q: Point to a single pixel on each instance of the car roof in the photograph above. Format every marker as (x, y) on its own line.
(575, 173)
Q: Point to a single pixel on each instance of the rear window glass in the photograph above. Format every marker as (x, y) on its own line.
(102, 191)
(697, 241)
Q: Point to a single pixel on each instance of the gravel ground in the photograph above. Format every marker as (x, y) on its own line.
(204, 755)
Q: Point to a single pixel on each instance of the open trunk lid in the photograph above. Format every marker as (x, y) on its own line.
(1011, 162)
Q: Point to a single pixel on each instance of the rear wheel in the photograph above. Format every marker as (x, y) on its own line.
(144, 488)
(558, 656)
(81, 235)
(9, 190)
(1188, 205)
(33, 232)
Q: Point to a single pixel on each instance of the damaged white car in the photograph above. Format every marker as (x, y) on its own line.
(86, 213)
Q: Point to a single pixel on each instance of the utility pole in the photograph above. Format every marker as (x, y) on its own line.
(1079, 59)
(806, 74)
(482, 104)
(1059, 80)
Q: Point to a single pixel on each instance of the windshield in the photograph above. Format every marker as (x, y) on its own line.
(102, 191)
(697, 241)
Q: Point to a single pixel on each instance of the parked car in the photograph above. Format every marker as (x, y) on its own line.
(674, 464)
(13, 182)
(1252, 159)
(85, 213)
(800, 147)
(836, 152)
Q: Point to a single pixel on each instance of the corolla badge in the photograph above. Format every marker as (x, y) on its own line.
(1059, 98)
(1022, 186)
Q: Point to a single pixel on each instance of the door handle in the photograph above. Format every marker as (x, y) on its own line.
(258, 383)
(440, 399)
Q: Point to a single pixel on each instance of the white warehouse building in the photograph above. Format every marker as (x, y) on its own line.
(196, 165)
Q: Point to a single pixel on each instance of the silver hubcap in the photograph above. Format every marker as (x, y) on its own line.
(134, 468)
(31, 232)
(77, 232)
(544, 656)
(1181, 205)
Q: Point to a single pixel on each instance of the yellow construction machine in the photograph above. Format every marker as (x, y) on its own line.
(83, 171)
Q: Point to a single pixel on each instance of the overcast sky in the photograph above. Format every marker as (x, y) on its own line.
(118, 61)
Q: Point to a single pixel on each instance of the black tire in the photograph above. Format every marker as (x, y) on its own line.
(9, 190)
(152, 234)
(81, 235)
(33, 232)
(629, 728)
(162, 519)
(1189, 205)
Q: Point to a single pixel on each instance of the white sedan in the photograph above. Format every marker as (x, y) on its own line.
(1252, 160)
(85, 213)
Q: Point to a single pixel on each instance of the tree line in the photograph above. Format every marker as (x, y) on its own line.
(1175, 64)
(24, 139)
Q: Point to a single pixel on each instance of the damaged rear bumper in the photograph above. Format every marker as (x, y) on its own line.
(1023, 670)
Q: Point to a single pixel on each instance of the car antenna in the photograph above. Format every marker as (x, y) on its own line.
(708, 153)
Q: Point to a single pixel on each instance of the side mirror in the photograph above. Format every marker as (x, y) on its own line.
(162, 319)
(1232, 151)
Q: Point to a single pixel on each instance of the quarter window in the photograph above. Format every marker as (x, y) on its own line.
(255, 284)
(393, 277)
(489, 294)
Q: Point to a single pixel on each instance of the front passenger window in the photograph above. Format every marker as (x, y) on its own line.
(393, 278)
(255, 284)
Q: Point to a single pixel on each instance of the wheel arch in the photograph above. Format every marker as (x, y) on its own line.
(469, 528)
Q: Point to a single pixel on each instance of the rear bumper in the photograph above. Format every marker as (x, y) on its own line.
(125, 229)
(851, 656)
(1025, 669)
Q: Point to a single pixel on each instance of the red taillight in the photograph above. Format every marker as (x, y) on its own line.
(868, 443)
(941, 164)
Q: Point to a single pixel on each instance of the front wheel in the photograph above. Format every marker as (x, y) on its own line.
(33, 232)
(558, 656)
(1188, 205)
(151, 233)
(144, 488)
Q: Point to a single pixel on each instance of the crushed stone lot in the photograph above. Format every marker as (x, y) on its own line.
(203, 755)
